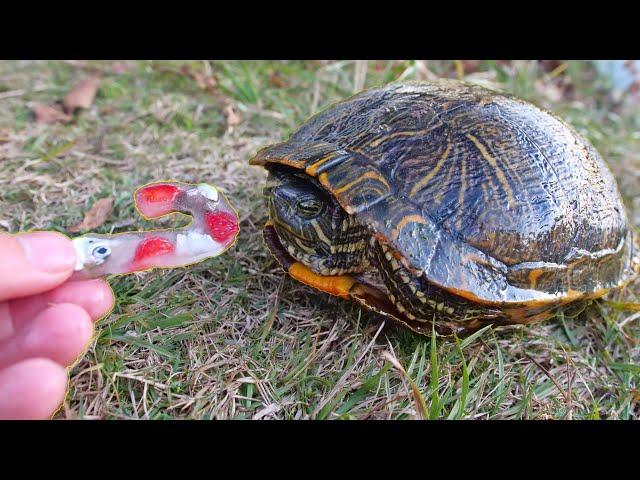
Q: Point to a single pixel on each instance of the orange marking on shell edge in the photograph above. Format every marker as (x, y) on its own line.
(403, 223)
(397, 255)
(577, 295)
(373, 175)
(313, 169)
(324, 179)
(291, 163)
(338, 285)
(468, 295)
(534, 275)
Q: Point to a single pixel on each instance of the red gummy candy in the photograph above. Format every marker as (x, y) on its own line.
(152, 247)
(222, 226)
(159, 193)
(157, 200)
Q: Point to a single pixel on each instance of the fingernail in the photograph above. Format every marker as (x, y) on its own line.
(48, 251)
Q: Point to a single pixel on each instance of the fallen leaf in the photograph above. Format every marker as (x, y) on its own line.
(95, 216)
(82, 95)
(108, 109)
(233, 117)
(77, 63)
(470, 66)
(120, 68)
(211, 83)
(49, 114)
(204, 81)
(200, 79)
(549, 89)
(277, 81)
(550, 65)
(379, 65)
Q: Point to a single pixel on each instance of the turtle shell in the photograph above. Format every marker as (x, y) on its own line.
(488, 196)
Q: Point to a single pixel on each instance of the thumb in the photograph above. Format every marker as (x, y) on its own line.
(34, 262)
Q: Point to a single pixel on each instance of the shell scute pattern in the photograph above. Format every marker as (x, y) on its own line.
(487, 195)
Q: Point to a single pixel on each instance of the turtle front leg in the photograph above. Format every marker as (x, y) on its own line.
(337, 285)
(345, 286)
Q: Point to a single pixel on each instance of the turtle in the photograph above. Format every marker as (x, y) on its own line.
(446, 206)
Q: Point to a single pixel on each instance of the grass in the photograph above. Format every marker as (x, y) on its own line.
(234, 337)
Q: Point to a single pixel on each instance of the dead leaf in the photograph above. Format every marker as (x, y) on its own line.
(95, 216)
(233, 117)
(205, 82)
(200, 80)
(379, 65)
(108, 109)
(77, 63)
(120, 68)
(550, 90)
(49, 114)
(470, 66)
(550, 65)
(277, 80)
(211, 83)
(82, 95)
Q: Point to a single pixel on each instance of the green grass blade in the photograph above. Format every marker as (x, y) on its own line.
(434, 410)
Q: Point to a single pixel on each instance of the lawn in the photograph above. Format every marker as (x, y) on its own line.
(233, 337)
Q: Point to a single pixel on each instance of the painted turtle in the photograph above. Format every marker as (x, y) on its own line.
(447, 203)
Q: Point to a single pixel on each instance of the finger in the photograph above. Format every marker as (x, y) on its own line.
(94, 296)
(60, 333)
(32, 389)
(34, 262)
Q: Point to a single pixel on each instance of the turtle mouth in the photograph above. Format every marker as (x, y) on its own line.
(271, 239)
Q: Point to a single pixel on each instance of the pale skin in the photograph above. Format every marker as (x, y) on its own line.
(46, 321)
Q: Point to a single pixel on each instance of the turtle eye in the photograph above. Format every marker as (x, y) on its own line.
(309, 208)
(101, 252)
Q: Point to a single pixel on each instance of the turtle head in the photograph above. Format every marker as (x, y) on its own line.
(311, 225)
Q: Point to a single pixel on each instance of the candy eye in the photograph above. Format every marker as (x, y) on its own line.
(101, 252)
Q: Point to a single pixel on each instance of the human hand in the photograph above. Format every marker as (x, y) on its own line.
(45, 322)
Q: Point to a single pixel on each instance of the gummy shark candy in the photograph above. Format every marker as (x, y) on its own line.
(213, 230)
